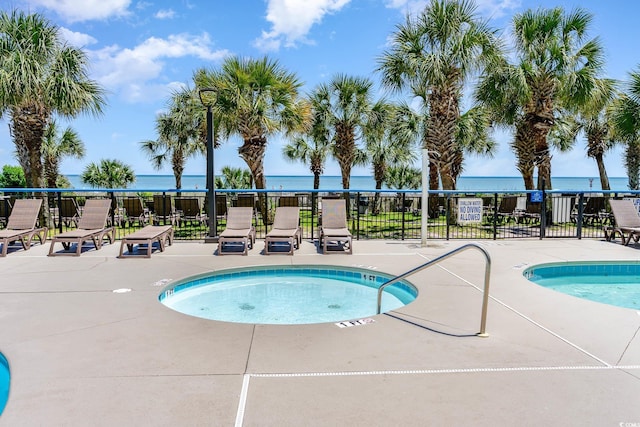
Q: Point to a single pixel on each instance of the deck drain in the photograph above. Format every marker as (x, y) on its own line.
(246, 306)
(334, 306)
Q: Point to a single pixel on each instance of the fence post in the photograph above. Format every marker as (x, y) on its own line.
(543, 212)
(447, 211)
(580, 213)
(495, 216)
(403, 209)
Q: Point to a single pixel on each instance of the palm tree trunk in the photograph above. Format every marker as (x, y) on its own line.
(434, 184)
(252, 152)
(604, 179)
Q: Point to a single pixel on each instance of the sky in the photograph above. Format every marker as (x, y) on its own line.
(140, 51)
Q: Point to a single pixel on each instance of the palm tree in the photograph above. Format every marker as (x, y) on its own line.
(40, 76)
(234, 178)
(55, 147)
(108, 174)
(432, 56)
(313, 152)
(342, 110)
(556, 70)
(625, 117)
(255, 99)
(178, 133)
(388, 142)
(403, 177)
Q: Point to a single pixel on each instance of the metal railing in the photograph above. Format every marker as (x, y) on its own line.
(487, 274)
(373, 214)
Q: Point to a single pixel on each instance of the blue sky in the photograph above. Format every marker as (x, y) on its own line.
(141, 50)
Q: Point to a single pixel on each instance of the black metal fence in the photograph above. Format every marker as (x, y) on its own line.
(380, 214)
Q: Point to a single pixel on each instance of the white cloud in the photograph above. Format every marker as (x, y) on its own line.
(85, 10)
(165, 14)
(77, 39)
(292, 20)
(132, 71)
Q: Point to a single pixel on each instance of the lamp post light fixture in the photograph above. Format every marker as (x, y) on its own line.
(212, 237)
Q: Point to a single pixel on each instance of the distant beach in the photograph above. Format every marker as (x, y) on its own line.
(366, 183)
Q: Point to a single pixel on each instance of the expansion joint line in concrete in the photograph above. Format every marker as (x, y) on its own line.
(446, 371)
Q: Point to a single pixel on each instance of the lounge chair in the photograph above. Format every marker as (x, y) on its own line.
(164, 210)
(22, 225)
(627, 221)
(238, 231)
(507, 208)
(91, 227)
(135, 211)
(68, 212)
(334, 226)
(160, 234)
(285, 229)
(5, 210)
(189, 209)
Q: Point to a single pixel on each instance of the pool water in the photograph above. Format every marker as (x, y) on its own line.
(4, 382)
(614, 283)
(292, 295)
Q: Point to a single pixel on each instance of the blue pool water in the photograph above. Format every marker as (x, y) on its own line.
(4, 382)
(615, 283)
(286, 295)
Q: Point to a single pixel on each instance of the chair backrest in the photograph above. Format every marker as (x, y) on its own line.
(5, 208)
(239, 218)
(68, 207)
(163, 205)
(286, 218)
(190, 206)
(246, 200)
(334, 213)
(533, 207)
(625, 213)
(595, 204)
(95, 214)
(508, 204)
(24, 214)
(288, 201)
(133, 206)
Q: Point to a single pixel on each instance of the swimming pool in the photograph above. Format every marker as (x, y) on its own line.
(4, 382)
(286, 294)
(609, 282)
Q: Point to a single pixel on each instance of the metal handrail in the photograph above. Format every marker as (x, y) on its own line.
(487, 274)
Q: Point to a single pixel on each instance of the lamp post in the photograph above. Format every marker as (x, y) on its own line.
(212, 237)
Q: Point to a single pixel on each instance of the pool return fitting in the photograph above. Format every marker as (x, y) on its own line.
(487, 274)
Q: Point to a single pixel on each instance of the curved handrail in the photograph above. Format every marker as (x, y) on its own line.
(487, 274)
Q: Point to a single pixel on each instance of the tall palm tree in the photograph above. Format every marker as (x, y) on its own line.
(40, 76)
(178, 131)
(432, 56)
(556, 70)
(109, 173)
(388, 143)
(311, 151)
(594, 120)
(626, 126)
(342, 110)
(255, 99)
(57, 146)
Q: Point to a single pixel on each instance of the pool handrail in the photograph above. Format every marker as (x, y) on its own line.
(487, 274)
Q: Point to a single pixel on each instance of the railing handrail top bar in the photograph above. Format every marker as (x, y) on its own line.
(305, 190)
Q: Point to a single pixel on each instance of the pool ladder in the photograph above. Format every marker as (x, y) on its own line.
(487, 274)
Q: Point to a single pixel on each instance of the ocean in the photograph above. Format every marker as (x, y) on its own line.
(293, 183)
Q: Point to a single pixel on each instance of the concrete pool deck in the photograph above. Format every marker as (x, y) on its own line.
(81, 354)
